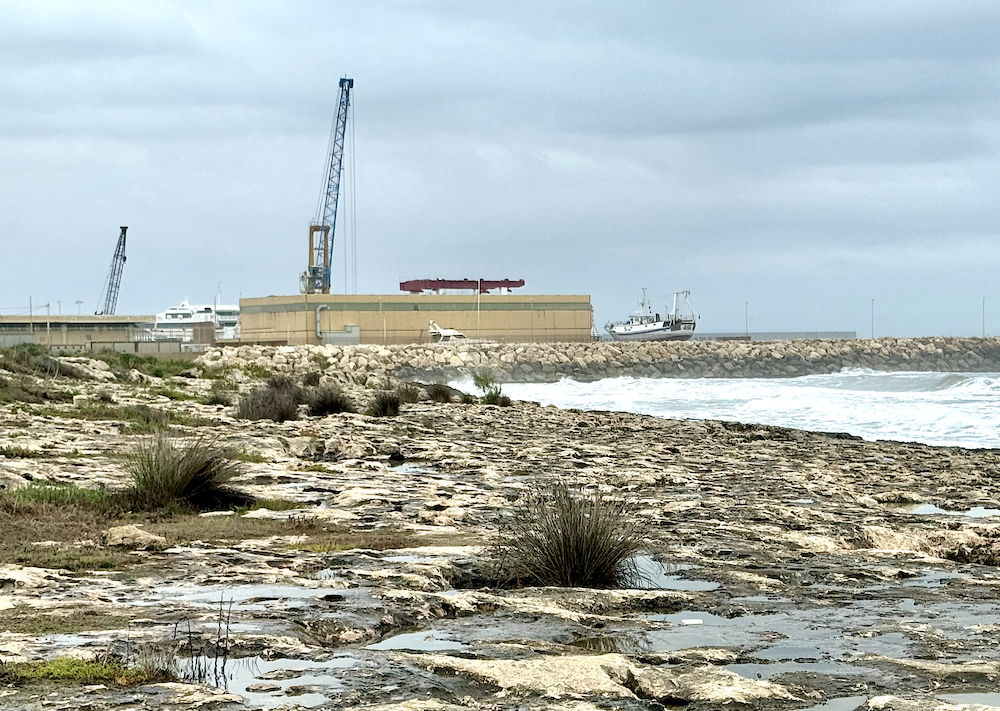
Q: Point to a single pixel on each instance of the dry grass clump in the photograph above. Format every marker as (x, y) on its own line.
(408, 392)
(33, 359)
(277, 400)
(566, 536)
(311, 379)
(168, 475)
(329, 401)
(384, 404)
(440, 392)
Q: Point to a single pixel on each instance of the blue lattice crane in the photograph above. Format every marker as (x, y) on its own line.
(316, 278)
(109, 297)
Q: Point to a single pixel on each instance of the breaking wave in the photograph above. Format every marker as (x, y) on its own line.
(951, 409)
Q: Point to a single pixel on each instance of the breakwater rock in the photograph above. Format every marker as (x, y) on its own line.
(546, 362)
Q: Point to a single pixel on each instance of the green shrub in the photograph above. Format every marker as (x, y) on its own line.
(329, 401)
(408, 392)
(278, 400)
(104, 396)
(440, 393)
(194, 475)
(24, 390)
(490, 389)
(565, 536)
(468, 399)
(384, 404)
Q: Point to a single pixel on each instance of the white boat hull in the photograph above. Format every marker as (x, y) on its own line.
(650, 332)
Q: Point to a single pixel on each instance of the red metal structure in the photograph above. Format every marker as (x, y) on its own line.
(483, 286)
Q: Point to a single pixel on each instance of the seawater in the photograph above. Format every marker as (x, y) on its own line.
(950, 409)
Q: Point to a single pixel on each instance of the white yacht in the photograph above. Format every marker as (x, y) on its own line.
(444, 335)
(647, 326)
(177, 322)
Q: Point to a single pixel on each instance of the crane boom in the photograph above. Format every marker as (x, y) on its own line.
(109, 297)
(316, 279)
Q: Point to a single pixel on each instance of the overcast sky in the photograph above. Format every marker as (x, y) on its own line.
(800, 157)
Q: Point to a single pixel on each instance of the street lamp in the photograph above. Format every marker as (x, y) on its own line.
(78, 305)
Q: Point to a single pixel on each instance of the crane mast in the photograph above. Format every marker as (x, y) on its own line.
(109, 297)
(316, 278)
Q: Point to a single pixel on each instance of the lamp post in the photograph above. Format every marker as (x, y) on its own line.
(78, 305)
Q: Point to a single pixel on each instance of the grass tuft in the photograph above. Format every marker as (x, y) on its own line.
(277, 400)
(565, 536)
(65, 495)
(440, 392)
(408, 392)
(194, 475)
(311, 379)
(329, 401)
(384, 404)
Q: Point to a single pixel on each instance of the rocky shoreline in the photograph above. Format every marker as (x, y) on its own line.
(593, 361)
(789, 570)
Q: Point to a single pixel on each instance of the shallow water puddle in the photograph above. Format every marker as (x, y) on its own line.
(768, 671)
(427, 641)
(654, 575)
(244, 598)
(986, 698)
(844, 703)
(933, 509)
(271, 683)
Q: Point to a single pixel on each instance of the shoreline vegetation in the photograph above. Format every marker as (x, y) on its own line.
(277, 510)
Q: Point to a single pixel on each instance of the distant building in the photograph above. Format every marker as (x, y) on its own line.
(404, 318)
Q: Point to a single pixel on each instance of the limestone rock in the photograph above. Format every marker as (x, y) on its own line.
(130, 536)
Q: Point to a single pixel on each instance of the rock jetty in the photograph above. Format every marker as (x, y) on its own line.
(547, 362)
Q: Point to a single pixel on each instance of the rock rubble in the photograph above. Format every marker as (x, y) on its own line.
(547, 362)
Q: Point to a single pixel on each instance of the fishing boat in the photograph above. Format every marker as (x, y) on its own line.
(646, 325)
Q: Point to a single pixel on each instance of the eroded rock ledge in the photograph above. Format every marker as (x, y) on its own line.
(538, 362)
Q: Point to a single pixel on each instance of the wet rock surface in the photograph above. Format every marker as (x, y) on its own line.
(796, 570)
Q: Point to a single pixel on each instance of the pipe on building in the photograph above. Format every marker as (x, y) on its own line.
(319, 331)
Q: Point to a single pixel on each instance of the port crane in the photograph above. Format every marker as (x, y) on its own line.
(316, 278)
(109, 297)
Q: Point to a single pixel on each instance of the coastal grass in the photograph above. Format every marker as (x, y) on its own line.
(70, 670)
(25, 619)
(195, 474)
(122, 363)
(408, 392)
(491, 393)
(562, 535)
(23, 389)
(172, 394)
(277, 400)
(329, 401)
(440, 392)
(34, 359)
(384, 404)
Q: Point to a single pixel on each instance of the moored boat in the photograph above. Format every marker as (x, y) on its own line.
(648, 326)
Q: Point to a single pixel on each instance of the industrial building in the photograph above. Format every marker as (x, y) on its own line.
(405, 318)
(73, 332)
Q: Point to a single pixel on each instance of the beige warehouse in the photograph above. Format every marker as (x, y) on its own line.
(403, 318)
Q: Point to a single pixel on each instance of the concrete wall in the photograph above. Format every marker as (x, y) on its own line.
(72, 331)
(403, 318)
